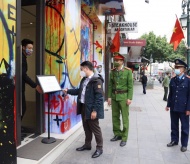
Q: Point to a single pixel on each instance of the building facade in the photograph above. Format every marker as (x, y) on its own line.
(67, 32)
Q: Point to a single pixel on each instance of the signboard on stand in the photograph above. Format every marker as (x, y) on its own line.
(49, 83)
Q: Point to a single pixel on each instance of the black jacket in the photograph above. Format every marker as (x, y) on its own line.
(94, 100)
(25, 78)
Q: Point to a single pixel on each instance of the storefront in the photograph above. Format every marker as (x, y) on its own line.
(65, 33)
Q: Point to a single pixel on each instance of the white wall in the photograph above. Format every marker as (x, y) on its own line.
(30, 33)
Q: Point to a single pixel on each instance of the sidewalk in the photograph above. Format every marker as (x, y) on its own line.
(149, 133)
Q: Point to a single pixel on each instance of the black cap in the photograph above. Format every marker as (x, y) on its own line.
(180, 63)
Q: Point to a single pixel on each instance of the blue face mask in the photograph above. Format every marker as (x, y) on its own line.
(29, 52)
(177, 71)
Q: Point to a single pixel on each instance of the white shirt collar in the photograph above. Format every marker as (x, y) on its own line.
(90, 76)
(121, 68)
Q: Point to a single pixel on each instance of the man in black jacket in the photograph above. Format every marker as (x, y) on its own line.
(27, 49)
(90, 104)
(144, 82)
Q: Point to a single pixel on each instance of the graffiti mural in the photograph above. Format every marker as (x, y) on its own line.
(90, 8)
(109, 7)
(7, 85)
(86, 38)
(62, 59)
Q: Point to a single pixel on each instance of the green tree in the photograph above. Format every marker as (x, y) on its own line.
(180, 53)
(175, 56)
(160, 49)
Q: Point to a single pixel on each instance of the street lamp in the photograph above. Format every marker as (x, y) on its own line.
(183, 20)
(185, 23)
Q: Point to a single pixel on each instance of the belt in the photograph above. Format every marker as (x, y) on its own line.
(119, 91)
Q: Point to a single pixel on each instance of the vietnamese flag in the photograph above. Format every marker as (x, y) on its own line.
(116, 42)
(177, 35)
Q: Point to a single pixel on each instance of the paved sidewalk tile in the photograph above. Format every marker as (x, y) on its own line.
(149, 132)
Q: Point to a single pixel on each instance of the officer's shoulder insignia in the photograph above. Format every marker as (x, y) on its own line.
(127, 68)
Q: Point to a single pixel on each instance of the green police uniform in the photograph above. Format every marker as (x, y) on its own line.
(119, 90)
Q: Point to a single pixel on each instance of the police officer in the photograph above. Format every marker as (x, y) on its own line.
(179, 105)
(120, 92)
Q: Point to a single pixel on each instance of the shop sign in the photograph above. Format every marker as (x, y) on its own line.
(125, 27)
(134, 42)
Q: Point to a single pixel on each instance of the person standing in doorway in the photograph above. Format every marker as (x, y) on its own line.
(165, 84)
(144, 82)
(120, 93)
(27, 49)
(90, 104)
(179, 105)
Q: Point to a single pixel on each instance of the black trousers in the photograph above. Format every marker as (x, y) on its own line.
(165, 93)
(23, 105)
(92, 126)
(144, 88)
(175, 117)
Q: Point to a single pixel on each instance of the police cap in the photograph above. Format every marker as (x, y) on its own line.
(180, 63)
(118, 56)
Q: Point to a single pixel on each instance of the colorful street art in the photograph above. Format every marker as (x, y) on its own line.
(69, 41)
(105, 7)
(90, 9)
(62, 59)
(109, 7)
(7, 84)
(86, 38)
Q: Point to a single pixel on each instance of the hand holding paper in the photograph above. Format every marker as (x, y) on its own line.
(39, 89)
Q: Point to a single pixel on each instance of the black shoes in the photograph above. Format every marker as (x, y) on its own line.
(172, 143)
(83, 148)
(97, 153)
(123, 143)
(183, 149)
(116, 138)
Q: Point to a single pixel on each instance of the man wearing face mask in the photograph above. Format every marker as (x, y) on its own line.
(120, 93)
(90, 104)
(179, 105)
(27, 49)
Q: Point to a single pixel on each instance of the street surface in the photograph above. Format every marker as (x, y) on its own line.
(149, 133)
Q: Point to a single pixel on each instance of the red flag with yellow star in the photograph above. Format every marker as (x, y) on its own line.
(116, 42)
(177, 35)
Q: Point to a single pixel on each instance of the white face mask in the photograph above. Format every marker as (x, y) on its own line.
(82, 74)
(29, 52)
(177, 71)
